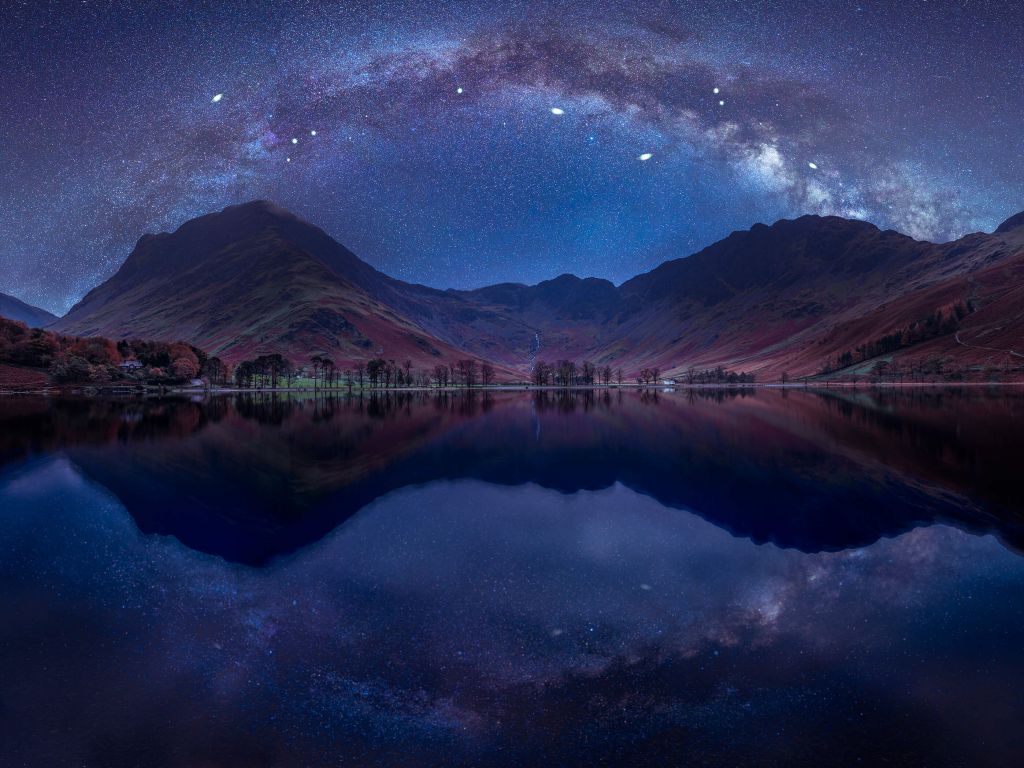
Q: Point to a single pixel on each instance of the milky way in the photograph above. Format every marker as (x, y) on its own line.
(471, 143)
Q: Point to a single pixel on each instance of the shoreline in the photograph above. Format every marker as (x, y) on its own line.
(89, 391)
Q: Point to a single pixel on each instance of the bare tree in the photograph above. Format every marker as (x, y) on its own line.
(487, 374)
(541, 373)
(316, 360)
(588, 372)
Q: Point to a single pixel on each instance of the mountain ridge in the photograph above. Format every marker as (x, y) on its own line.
(14, 308)
(255, 278)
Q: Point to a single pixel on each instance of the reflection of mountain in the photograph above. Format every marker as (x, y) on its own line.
(251, 479)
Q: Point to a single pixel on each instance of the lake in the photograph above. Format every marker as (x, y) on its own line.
(709, 577)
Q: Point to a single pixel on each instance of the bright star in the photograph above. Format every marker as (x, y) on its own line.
(646, 156)
(557, 111)
(312, 133)
(721, 103)
(812, 166)
(716, 90)
(295, 141)
(217, 98)
(458, 90)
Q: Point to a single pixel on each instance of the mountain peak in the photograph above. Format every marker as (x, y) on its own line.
(1012, 223)
(14, 308)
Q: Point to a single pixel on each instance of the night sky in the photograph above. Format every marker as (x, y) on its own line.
(460, 144)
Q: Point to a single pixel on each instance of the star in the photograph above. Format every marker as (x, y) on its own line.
(217, 98)
(458, 90)
(295, 141)
(312, 133)
(716, 90)
(721, 103)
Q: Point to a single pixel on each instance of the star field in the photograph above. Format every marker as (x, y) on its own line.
(460, 144)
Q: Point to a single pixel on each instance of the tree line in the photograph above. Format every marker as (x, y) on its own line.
(567, 373)
(377, 373)
(98, 361)
(938, 323)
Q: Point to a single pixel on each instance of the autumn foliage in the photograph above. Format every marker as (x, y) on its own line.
(97, 361)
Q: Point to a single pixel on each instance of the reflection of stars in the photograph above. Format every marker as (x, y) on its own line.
(217, 98)
(812, 166)
(557, 111)
(646, 156)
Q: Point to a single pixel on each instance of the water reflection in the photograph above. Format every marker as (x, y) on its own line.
(250, 478)
(511, 579)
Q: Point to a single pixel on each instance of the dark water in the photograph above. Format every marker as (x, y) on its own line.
(759, 578)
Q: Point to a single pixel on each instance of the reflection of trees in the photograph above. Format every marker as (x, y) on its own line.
(718, 394)
(565, 400)
(264, 407)
(35, 424)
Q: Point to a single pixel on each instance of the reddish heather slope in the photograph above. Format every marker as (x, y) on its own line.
(793, 296)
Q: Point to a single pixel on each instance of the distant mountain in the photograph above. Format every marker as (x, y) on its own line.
(798, 295)
(16, 309)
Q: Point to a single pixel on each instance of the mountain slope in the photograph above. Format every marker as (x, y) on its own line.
(16, 309)
(794, 296)
(250, 280)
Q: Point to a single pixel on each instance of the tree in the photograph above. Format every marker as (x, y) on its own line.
(184, 368)
(215, 371)
(588, 372)
(374, 370)
(328, 366)
(565, 373)
(467, 371)
(487, 374)
(541, 373)
(243, 374)
(70, 368)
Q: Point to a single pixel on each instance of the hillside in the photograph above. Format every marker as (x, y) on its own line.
(801, 296)
(16, 309)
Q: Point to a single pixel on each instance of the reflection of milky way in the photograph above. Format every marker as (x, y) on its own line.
(461, 621)
(493, 141)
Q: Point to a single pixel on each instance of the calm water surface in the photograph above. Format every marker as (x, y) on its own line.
(756, 578)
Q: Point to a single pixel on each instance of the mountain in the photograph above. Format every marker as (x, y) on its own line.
(799, 295)
(255, 279)
(16, 309)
